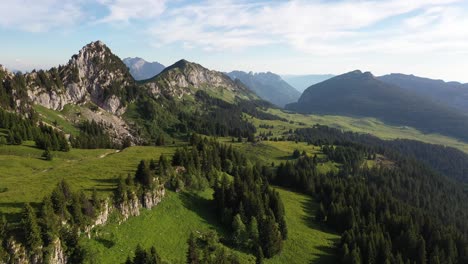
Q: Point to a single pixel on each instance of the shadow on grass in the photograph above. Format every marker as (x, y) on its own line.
(203, 207)
(329, 253)
(105, 242)
(288, 157)
(16, 206)
(109, 181)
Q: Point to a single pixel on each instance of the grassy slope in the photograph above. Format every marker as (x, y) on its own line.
(280, 151)
(168, 227)
(28, 178)
(307, 242)
(362, 125)
(50, 116)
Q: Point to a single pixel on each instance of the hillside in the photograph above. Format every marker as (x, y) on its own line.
(141, 69)
(302, 82)
(452, 94)
(268, 86)
(361, 94)
(185, 78)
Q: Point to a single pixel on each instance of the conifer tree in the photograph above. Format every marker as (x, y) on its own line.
(31, 228)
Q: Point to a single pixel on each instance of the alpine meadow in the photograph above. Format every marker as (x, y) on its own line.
(246, 135)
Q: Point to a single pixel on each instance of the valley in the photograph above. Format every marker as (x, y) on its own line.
(194, 166)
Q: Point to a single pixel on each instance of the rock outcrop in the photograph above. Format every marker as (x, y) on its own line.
(57, 255)
(94, 75)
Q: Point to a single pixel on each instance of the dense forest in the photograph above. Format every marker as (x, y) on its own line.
(448, 161)
(244, 200)
(396, 213)
(92, 135)
(21, 129)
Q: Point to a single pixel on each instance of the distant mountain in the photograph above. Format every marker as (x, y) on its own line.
(268, 86)
(141, 69)
(361, 94)
(302, 82)
(453, 94)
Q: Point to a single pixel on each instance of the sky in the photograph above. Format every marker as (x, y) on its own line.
(427, 38)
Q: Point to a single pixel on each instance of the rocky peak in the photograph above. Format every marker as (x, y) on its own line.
(183, 77)
(94, 75)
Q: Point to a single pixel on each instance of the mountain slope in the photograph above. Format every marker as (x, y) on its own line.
(302, 82)
(268, 86)
(185, 78)
(360, 94)
(452, 94)
(141, 69)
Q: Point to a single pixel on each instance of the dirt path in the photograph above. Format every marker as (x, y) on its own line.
(109, 153)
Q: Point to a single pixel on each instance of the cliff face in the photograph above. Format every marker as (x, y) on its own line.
(94, 75)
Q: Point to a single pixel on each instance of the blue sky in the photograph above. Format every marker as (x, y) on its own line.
(423, 37)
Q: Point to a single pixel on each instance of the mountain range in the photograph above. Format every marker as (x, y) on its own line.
(268, 86)
(361, 94)
(100, 87)
(141, 69)
(302, 82)
(453, 94)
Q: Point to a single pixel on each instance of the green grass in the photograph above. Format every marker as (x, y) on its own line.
(28, 178)
(361, 125)
(280, 151)
(308, 241)
(167, 227)
(25, 177)
(50, 116)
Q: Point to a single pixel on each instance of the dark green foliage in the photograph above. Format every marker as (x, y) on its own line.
(13, 89)
(205, 248)
(47, 155)
(144, 256)
(31, 229)
(144, 175)
(445, 160)
(92, 136)
(48, 138)
(386, 213)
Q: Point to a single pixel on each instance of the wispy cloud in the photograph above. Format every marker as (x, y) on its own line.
(40, 15)
(317, 27)
(126, 10)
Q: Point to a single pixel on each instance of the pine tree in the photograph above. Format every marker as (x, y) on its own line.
(239, 236)
(143, 174)
(259, 255)
(192, 254)
(47, 155)
(270, 237)
(50, 222)
(253, 232)
(31, 228)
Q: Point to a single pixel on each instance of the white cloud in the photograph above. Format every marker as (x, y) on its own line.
(39, 15)
(314, 27)
(125, 10)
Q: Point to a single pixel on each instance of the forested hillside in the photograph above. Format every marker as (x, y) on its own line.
(361, 94)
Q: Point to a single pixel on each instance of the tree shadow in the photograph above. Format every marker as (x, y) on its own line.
(203, 207)
(15, 217)
(310, 207)
(105, 242)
